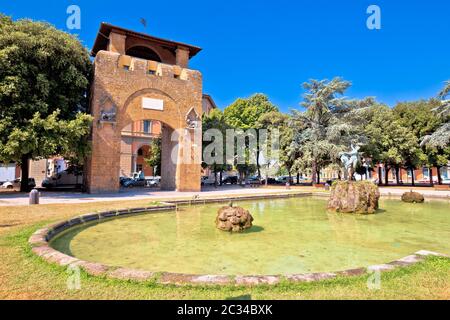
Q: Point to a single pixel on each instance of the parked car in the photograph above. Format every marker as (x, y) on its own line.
(153, 182)
(284, 180)
(16, 184)
(230, 180)
(208, 180)
(123, 179)
(254, 181)
(134, 182)
(302, 180)
(66, 178)
(269, 181)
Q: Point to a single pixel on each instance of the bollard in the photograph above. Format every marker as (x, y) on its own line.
(34, 197)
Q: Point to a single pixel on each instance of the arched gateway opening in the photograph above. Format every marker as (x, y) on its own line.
(140, 154)
(127, 90)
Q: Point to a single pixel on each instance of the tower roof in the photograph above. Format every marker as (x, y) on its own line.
(101, 41)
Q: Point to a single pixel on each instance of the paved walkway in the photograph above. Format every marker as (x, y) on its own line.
(427, 192)
(16, 198)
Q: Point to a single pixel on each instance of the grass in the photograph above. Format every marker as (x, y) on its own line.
(26, 276)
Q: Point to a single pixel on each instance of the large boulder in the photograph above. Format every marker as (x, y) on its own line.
(413, 197)
(354, 197)
(233, 219)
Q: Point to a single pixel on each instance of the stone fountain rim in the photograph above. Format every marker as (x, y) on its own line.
(40, 246)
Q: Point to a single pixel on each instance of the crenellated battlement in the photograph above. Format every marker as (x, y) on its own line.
(108, 61)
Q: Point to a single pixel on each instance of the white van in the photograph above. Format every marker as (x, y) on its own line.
(63, 179)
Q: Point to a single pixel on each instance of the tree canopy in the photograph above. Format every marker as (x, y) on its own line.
(441, 137)
(245, 114)
(328, 125)
(44, 79)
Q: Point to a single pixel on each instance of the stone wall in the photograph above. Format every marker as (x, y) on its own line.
(120, 83)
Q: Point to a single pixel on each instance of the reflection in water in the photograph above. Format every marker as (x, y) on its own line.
(290, 236)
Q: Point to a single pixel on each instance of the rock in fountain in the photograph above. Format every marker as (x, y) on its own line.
(233, 219)
(413, 197)
(354, 197)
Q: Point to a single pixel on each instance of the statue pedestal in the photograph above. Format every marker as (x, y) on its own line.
(354, 197)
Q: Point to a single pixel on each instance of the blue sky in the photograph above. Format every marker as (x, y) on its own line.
(273, 46)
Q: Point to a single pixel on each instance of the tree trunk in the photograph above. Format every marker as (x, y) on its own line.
(318, 176)
(24, 166)
(267, 175)
(220, 176)
(298, 177)
(412, 177)
(241, 177)
(314, 172)
(439, 175)
(397, 178)
(258, 167)
(431, 176)
(215, 176)
(386, 175)
(380, 176)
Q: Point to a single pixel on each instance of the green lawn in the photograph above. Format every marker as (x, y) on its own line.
(26, 276)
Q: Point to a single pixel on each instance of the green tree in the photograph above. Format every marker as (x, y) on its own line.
(154, 160)
(245, 114)
(44, 76)
(215, 120)
(436, 145)
(389, 142)
(441, 137)
(276, 120)
(419, 118)
(328, 125)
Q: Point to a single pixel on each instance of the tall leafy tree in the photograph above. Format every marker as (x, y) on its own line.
(420, 119)
(245, 114)
(215, 120)
(154, 159)
(280, 122)
(436, 145)
(389, 142)
(328, 125)
(44, 77)
(441, 137)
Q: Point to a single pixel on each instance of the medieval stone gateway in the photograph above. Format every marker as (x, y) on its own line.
(138, 77)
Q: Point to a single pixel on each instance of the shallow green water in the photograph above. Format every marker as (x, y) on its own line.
(289, 236)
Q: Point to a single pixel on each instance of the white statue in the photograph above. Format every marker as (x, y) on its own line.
(350, 160)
